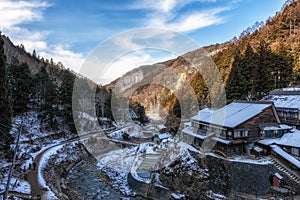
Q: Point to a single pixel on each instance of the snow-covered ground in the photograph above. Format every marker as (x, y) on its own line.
(117, 164)
(34, 138)
(55, 161)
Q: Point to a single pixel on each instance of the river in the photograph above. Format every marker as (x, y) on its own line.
(86, 182)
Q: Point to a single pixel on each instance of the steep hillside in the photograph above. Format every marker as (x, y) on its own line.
(264, 57)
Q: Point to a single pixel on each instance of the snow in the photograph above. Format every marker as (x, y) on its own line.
(285, 100)
(192, 131)
(260, 161)
(161, 126)
(187, 124)
(215, 195)
(258, 149)
(285, 155)
(233, 114)
(278, 175)
(177, 196)
(222, 140)
(291, 89)
(35, 137)
(184, 145)
(268, 142)
(43, 162)
(279, 127)
(116, 165)
(290, 139)
(164, 136)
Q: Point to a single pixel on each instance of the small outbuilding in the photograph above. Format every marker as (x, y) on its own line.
(277, 179)
(158, 138)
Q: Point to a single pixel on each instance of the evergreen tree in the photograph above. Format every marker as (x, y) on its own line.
(22, 84)
(236, 87)
(47, 95)
(5, 104)
(248, 64)
(263, 81)
(65, 97)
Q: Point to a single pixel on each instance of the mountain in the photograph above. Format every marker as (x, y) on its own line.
(264, 57)
(30, 84)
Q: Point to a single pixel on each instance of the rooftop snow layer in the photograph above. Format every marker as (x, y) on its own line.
(164, 136)
(231, 115)
(290, 139)
(286, 156)
(288, 98)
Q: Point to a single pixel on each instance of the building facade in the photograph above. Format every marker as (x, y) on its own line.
(235, 127)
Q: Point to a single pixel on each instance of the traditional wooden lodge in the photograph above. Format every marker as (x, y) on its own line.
(287, 104)
(234, 127)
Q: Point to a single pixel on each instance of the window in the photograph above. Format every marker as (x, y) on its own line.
(236, 134)
(245, 133)
(295, 151)
(268, 134)
(241, 133)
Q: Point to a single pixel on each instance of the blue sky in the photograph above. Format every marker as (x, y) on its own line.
(67, 30)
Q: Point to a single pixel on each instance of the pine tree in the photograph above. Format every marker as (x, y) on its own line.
(22, 84)
(236, 87)
(262, 73)
(5, 104)
(248, 64)
(65, 98)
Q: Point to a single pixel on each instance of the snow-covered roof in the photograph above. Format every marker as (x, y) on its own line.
(290, 139)
(233, 114)
(164, 136)
(193, 132)
(257, 149)
(222, 140)
(274, 127)
(286, 156)
(285, 98)
(268, 142)
(161, 126)
(278, 175)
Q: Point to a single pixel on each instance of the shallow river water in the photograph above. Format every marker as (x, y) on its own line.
(84, 178)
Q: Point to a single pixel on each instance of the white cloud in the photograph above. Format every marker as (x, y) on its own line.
(67, 57)
(128, 62)
(165, 14)
(16, 13)
(195, 21)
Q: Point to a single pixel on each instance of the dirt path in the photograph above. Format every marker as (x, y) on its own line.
(32, 176)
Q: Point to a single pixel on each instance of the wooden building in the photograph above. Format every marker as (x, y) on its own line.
(287, 104)
(234, 127)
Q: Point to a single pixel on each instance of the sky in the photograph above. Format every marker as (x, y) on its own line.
(69, 30)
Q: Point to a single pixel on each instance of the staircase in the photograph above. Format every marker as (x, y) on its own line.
(280, 166)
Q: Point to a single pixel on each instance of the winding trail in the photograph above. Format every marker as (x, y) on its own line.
(32, 176)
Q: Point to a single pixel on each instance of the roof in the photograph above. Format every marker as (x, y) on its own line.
(273, 127)
(278, 175)
(164, 136)
(285, 98)
(269, 141)
(257, 149)
(290, 139)
(286, 156)
(232, 114)
(161, 126)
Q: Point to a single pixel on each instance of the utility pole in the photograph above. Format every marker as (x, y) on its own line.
(13, 163)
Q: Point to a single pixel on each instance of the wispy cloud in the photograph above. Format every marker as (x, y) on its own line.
(165, 14)
(14, 14)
